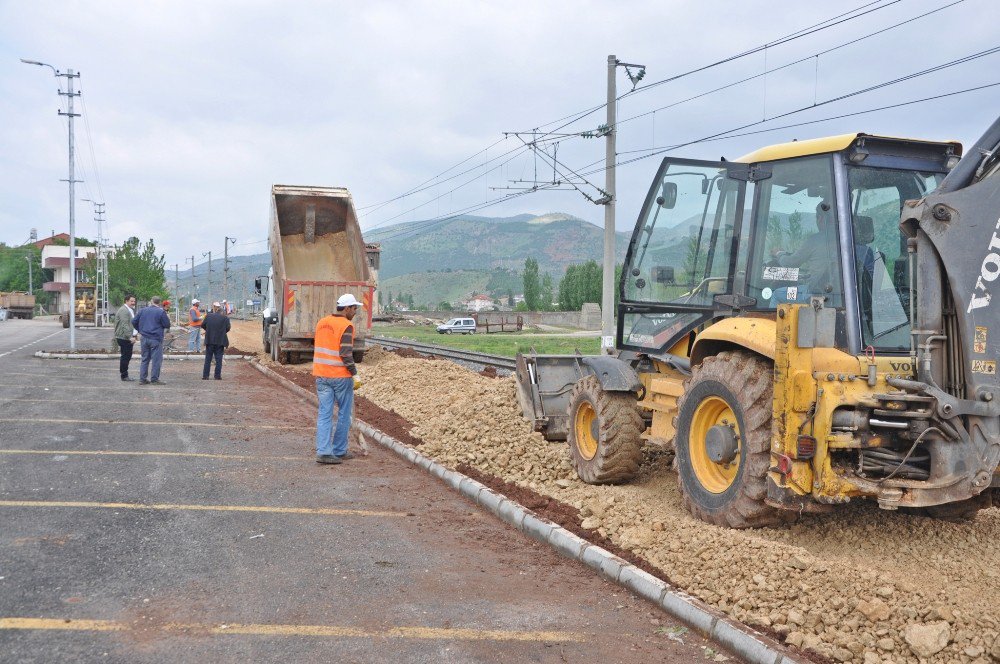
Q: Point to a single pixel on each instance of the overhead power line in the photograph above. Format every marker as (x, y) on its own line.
(579, 115)
(429, 224)
(787, 65)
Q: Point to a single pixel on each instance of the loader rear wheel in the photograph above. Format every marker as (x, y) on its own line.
(963, 510)
(604, 433)
(724, 439)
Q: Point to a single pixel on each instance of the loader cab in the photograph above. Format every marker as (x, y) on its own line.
(785, 224)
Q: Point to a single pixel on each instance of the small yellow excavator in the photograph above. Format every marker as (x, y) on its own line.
(806, 325)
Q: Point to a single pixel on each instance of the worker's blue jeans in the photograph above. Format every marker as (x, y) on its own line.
(152, 354)
(194, 339)
(339, 391)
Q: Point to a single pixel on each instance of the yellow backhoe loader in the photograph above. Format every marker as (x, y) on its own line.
(806, 325)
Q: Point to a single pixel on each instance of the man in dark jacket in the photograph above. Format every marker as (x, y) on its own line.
(150, 323)
(216, 327)
(125, 334)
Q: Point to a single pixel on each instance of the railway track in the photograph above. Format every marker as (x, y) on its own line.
(464, 357)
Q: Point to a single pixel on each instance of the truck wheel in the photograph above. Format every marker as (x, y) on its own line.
(604, 433)
(267, 340)
(274, 343)
(962, 510)
(723, 441)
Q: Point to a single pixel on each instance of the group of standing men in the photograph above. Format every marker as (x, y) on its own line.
(150, 324)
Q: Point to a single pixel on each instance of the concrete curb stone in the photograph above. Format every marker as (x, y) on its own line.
(682, 606)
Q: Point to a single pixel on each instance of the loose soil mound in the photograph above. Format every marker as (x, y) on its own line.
(845, 585)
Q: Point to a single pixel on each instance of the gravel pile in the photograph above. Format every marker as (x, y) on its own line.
(860, 585)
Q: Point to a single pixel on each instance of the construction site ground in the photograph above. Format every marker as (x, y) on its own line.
(189, 522)
(858, 585)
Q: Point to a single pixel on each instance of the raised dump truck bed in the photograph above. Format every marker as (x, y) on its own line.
(317, 255)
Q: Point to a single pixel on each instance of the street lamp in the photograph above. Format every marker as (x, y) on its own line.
(69, 94)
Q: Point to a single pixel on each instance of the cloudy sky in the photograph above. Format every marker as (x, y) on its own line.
(193, 109)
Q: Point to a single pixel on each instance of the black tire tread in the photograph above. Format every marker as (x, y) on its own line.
(750, 378)
(619, 445)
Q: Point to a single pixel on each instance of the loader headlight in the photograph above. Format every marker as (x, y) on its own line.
(858, 156)
(952, 162)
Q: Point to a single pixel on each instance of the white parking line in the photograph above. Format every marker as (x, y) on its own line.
(31, 344)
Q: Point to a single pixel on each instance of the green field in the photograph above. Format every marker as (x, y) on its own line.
(504, 343)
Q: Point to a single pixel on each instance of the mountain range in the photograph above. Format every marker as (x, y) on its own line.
(443, 260)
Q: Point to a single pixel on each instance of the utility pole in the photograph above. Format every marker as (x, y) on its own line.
(609, 200)
(225, 268)
(101, 305)
(607, 286)
(31, 283)
(209, 254)
(177, 294)
(69, 94)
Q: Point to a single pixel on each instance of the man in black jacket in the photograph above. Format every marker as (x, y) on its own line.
(216, 327)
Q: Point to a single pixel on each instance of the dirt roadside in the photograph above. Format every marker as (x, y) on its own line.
(860, 585)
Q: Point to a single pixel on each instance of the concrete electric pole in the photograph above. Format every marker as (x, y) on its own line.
(177, 294)
(608, 284)
(70, 95)
(225, 268)
(209, 254)
(31, 283)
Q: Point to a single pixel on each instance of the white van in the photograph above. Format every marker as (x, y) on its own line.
(458, 326)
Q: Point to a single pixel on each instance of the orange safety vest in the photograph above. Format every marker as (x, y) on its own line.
(326, 353)
(191, 317)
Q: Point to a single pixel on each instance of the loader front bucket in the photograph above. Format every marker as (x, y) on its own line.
(544, 383)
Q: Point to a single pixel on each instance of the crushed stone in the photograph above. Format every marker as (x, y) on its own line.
(845, 585)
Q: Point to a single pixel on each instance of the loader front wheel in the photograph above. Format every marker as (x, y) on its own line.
(604, 433)
(723, 441)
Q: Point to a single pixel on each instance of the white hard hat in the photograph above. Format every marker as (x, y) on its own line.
(195, 301)
(216, 304)
(347, 300)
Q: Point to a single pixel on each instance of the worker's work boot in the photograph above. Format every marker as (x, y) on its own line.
(327, 458)
(345, 456)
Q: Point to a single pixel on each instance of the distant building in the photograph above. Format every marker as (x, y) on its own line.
(44, 242)
(56, 258)
(479, 303)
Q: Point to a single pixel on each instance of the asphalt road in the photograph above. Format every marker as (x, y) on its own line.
(189, 523)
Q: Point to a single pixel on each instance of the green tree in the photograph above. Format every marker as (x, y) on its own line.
(445, 306)
(510, 298)
(547, 292)
(532, 285)
(580, 284)
(409, 302)
(134, 268)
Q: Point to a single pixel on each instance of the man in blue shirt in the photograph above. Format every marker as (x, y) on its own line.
(150, 323)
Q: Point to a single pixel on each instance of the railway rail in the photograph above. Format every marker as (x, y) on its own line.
(502, 364)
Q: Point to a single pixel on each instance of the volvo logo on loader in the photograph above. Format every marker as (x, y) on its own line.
(989, 271)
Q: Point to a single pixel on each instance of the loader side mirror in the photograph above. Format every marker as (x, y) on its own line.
(663, 274)
(256, 286)
(668, 196)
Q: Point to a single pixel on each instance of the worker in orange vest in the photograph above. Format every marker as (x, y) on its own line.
(333, 367)
(195, 318)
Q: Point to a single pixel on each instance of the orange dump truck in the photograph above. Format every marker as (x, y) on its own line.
(317, 255)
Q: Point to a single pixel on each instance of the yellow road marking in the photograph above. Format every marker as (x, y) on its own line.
(135, 403)
(184, 423)
(200, 508)
(201, 455)
(442, 633)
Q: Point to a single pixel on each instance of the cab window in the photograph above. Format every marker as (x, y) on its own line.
(880, 257)
(795, 248)
(684, 243)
